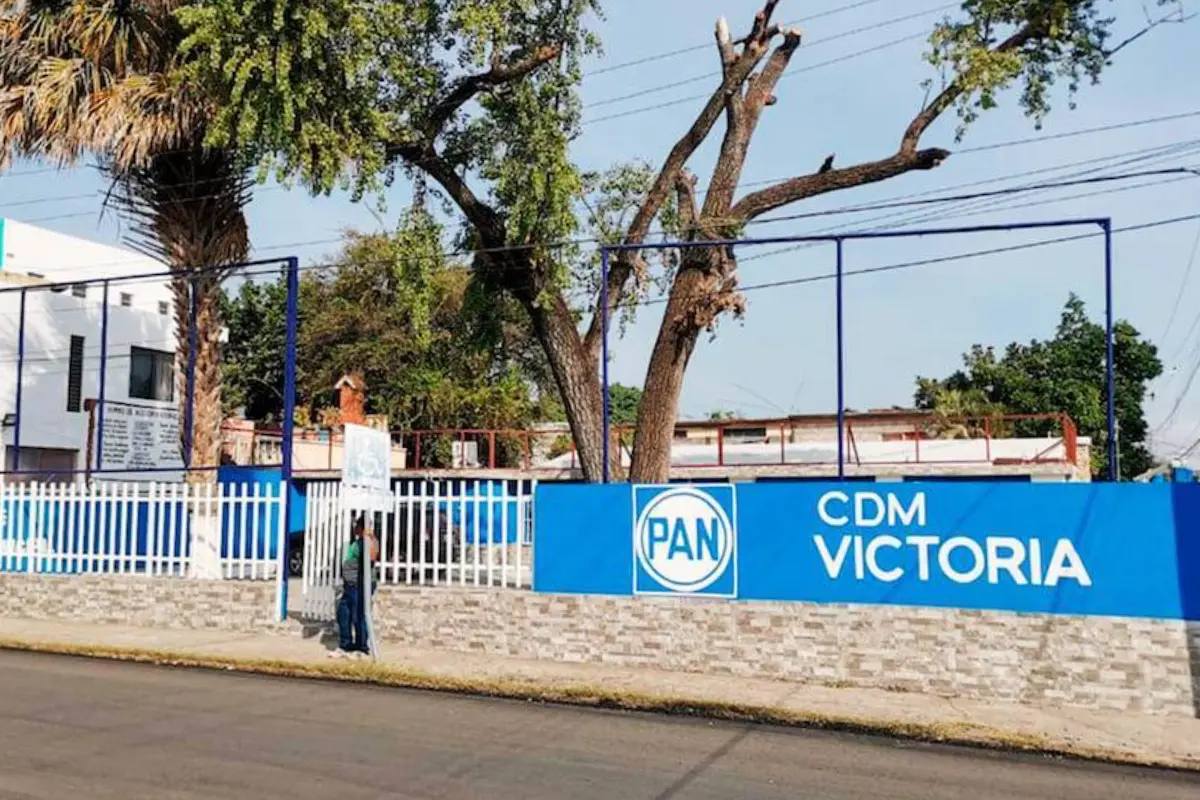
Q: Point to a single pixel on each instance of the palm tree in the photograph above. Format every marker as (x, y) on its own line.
(105, 79)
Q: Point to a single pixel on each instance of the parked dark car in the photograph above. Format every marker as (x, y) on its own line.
(394, 542)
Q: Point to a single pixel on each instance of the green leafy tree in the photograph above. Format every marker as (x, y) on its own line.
(1065, 374)
(624, 403)
(480, 96)
(107, 80)
(437, 351)
(253, 356)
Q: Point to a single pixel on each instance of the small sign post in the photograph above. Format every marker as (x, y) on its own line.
(366, 489)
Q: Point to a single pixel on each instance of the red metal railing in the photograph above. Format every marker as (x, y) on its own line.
(1011, 439)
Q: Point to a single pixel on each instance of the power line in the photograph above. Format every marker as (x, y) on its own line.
(984, 148)
(809, 68)
(977, 195)
(907, 265)
(1119, 126)
(967, 151)
(849, 209)
(938, 260)
(1187, 273)
(714, 76)
(692, 49)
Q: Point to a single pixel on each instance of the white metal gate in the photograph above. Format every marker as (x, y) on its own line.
(449, 532)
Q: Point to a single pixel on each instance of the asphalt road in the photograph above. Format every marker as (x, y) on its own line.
(89, 729)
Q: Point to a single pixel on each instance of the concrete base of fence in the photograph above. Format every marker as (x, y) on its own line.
(143, 601)
(1123, 664)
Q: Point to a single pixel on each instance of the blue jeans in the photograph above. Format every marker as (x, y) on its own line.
(352, 623)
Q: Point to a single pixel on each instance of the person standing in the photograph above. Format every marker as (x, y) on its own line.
(351, 612)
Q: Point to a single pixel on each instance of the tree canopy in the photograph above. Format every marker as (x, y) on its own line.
(624, 402)
(435, 350)
(1065, 374)
(480, 96)
(112, 81)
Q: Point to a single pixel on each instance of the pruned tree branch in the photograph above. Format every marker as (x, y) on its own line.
(729, 56)
(738, 134)
(906, 159)
(790, 191)
(501, 72)
(755, 46)
(725, 46)
(685, 192)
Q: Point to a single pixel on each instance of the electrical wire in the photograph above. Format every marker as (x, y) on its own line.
(811, 67)
(708, 45)
(908, 265)
(1187, 273)
(711, 76)
(294, 245)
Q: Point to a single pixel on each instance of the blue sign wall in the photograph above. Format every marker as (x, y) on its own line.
(1092, 549)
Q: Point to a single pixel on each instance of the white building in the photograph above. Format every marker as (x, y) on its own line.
(62, 349)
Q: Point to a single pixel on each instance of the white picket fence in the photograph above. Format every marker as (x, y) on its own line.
(452, 532)
(147, 529)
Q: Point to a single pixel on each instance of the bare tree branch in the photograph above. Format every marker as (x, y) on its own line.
(755, 47)
(685, 192)
(482, 216)
(725, 46)
(729, 56)
(500, 73)
(907, 159)
(762, 24)
(782, 194)
(738, 134)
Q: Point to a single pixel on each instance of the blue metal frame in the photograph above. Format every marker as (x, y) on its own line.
(1105, 224)
(289, 424)
(605, 399)
(841, 361)
(189, 411)
(292, 267)
(20, 374)
(103, 388)
(1110, 354)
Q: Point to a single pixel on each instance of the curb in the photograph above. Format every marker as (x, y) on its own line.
(957, 734)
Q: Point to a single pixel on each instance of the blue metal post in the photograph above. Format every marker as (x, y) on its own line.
(1110, 371)
(841, 373)
(603, 312)
(289, 426)
(16, 464)
(103, 376)
(189, 410)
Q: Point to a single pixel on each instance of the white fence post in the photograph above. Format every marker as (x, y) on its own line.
(440, 531)
(132, 529)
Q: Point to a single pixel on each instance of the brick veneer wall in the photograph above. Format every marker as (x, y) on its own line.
(1126, 664)
(134, 600)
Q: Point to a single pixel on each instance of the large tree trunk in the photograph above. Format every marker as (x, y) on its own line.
(702, 291)
(578, 382)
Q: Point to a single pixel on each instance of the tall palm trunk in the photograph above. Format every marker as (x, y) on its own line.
(188, 211)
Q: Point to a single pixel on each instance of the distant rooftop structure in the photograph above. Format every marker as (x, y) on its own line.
(893, 444)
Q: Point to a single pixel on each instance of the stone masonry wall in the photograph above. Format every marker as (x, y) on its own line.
(135, 600)
(1125, 664)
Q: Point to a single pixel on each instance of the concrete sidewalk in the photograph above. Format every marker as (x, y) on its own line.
(1144, 739)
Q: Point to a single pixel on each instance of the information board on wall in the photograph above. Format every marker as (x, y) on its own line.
(139, 438)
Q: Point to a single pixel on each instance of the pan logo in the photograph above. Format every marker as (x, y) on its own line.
(685, 540)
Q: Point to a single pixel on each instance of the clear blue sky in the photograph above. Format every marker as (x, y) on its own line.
(900, 324)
